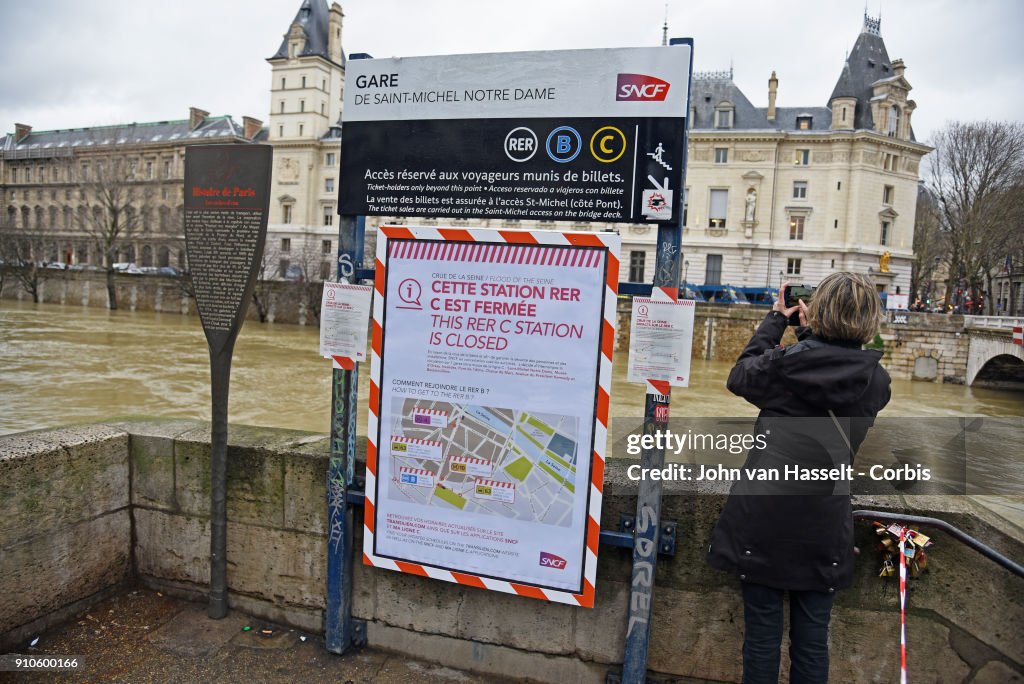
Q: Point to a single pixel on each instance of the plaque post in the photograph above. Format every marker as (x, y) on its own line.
(647, 529)
(227, 194)
(339, 632)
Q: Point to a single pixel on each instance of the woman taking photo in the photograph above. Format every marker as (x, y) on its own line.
(817, 399)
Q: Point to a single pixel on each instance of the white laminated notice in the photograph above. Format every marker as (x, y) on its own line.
(661, 336)
(344, 320)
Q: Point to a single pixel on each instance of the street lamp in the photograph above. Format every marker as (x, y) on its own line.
(686, 267)
(780, 280)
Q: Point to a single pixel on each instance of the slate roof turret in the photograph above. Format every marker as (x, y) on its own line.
(314, 19)
(867, 62)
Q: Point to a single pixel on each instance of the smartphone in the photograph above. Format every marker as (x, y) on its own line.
(792, 297)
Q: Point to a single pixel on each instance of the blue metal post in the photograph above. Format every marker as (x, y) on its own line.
(647, 535)
(338, 629)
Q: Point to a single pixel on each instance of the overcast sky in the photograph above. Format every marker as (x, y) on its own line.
(71, 63)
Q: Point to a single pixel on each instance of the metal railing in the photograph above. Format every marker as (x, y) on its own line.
(954, 532)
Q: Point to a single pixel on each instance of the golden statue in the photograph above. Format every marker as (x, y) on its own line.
(883, 262)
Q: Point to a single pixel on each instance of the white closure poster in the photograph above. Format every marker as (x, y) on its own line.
(661, 337)
(490, 381)
(344, 317)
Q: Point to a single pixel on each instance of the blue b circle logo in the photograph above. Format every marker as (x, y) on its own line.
(563, 144)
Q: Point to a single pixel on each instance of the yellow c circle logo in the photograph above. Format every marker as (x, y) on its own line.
(608, 144)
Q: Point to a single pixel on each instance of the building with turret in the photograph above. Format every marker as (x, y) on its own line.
(307, 78)
(794, 193)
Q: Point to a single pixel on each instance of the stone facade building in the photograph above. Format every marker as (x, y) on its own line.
(795, 193)
(307, 78)
(772, 193)
(56, 187)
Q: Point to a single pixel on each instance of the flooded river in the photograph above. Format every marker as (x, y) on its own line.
(68, 364)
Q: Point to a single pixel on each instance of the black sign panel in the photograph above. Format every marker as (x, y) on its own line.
(593, 169)
(227, 193)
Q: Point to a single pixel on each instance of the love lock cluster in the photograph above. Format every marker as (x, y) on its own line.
(914, 545)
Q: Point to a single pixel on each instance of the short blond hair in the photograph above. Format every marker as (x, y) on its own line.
(845, 308)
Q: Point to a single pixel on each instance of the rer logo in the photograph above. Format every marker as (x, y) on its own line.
(550, 560)
(640, 88)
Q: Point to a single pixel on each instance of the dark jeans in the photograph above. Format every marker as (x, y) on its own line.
(809, 614)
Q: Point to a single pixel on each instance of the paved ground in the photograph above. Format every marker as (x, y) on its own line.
(143, 636)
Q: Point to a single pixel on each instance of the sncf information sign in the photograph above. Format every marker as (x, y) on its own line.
(577, 135)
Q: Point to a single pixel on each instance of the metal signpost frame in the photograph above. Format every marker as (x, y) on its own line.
(339, 625)
(648, 522)
(340, 630)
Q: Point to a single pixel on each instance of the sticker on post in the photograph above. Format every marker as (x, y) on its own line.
(417, 477)
(495, 490)
(469, 465)
(431, 417)
(416, 448)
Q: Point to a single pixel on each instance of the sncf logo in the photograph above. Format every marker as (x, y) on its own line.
(550, 560)
(638, 87)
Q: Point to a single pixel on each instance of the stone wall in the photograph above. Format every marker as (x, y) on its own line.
(286, 302)
(65, 528)
(722, 331)
(966, 616)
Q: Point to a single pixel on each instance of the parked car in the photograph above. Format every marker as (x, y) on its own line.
(127, 267)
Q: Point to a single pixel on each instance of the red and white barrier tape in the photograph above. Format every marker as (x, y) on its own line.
(903, 605)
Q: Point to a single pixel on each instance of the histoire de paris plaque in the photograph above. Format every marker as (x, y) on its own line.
(227, 195)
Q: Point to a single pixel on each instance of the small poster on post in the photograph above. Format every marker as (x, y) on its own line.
(661, 337)
(344, 317)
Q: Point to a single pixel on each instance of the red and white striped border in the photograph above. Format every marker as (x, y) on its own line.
(429, 412)
(605, 241)
(414, 471)
(415, 440)
(495, 483)
(1018, 335)
(470, 459)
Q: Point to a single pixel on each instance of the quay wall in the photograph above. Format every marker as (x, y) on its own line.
(90, 508)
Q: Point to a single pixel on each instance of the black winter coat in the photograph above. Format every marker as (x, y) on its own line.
(798, 535)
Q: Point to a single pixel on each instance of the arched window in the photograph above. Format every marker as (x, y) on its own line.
(97, 217)
(81, 221)
(163, 256)
(12, 217)
(67, 218)
(894, 121)
(26, 218)
(40, 217)
(165, 219)
(147, 255)
(53, 217)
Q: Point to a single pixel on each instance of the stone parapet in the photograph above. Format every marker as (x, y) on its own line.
(131, 500)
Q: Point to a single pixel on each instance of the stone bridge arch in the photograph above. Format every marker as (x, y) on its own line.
(993, 360)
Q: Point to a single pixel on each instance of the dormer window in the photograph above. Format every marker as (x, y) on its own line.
(804, 122)
(894, 120)
(724, 115)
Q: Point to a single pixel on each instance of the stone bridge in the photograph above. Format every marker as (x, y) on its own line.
(993, 359)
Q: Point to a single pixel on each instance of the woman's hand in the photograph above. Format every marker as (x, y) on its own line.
(787, 311)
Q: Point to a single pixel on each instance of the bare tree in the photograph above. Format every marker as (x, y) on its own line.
(291, 263)
(116, 209)
(977, 172)
(930, 246)
(22, 256)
